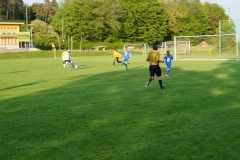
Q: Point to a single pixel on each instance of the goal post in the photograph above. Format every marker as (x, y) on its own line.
(183, 47)
(138, 48)
(208, 47)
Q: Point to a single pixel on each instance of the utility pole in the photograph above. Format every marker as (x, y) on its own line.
(26, 19)
(62, 31)
(27, 26)
(81, 44)
(229, 18)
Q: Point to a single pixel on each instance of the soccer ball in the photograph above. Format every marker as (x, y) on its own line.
(76, 66)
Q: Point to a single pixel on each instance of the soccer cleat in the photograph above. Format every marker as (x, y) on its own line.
(167, 76)
(162, 87)
(146, 85)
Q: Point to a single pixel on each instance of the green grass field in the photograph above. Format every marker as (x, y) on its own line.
(103, 112)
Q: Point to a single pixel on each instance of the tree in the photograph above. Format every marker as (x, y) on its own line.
(95, 20)
(145, 21)
(43, 34)
(11, 9)
(214, 13)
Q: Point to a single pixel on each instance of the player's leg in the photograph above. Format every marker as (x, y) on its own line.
(167, 72)
(152, 73)
(125, 63)
(118, 60)
(67, 62)
(72, 63)
(114, 61)
(159, 74)
(169, 67)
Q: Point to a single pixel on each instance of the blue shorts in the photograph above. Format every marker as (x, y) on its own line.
(169, 66)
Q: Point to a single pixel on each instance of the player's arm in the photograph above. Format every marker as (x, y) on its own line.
(147, 59)
(158, 60)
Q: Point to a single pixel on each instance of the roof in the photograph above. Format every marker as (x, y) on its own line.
(12, 21)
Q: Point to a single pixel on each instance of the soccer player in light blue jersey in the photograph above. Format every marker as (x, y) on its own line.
(168, 61)
(126, 55)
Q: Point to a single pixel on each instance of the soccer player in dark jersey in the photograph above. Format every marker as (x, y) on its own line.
(154, 68)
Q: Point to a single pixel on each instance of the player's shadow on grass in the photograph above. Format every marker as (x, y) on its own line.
(84, 67)
(19, 71)
(22, 85)
(137, 67)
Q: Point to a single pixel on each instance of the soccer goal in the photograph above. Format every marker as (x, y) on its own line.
(183, 47)
(138, 48)
(207, 47)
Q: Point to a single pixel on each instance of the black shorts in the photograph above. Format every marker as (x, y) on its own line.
(155, 69)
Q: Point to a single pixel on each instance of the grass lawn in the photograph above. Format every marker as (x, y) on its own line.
(99, 111)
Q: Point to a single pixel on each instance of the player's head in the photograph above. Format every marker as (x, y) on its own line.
(65, 49)
(115, 50)
(155, 47)
(168, 53)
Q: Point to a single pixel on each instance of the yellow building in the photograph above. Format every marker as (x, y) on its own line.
(9, 30)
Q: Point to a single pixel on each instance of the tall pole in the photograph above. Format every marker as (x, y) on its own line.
(175, 48)
(26, 19)
(62, 30)
(71, 43)
(31, 37)
(237, 45)
(220, 43)
(26, 24)
(229, 18)
(81, 44)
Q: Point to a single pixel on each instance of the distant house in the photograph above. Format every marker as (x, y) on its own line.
(9, 30)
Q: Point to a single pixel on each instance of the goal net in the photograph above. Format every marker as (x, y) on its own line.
(138, 48)
(207, 47)
(182, 47)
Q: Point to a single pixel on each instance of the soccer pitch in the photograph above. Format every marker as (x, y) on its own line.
(99, 111)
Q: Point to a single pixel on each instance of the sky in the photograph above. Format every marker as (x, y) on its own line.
(232, 8)
(30, 2)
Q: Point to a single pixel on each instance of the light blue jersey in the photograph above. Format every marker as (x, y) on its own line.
(168, 61)
(126, 55)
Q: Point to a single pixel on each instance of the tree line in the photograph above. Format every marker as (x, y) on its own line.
(116, 21)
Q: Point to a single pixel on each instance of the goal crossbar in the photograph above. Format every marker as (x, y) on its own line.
(220, 35)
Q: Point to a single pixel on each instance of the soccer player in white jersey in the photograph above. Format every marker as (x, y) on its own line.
(65, 57)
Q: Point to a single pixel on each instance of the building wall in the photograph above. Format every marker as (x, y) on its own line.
(8, 36)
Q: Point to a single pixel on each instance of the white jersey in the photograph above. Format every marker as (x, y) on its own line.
(65, 55)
